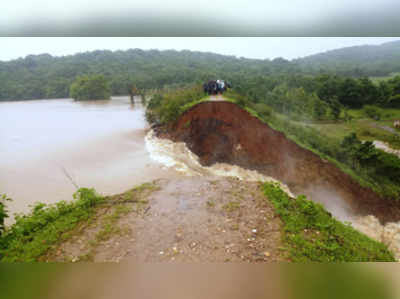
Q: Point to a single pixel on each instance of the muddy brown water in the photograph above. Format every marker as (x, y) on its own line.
(107, 145)
(99, 144)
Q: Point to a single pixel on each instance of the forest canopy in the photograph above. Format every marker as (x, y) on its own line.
(46, 76)
(93, 87)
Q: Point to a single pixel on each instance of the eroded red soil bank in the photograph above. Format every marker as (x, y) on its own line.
(224, 132)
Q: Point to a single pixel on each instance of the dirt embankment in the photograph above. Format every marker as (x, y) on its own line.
(224, 132)
(192, 219)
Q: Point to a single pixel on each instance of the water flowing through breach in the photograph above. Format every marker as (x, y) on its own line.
(177, 156)
(210, 139)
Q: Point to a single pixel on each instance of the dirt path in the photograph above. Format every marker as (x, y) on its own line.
(385, 147)
(216, 98)
(388, 129)
(190, 219)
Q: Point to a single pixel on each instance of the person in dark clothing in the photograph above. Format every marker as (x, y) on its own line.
(216, 87)
(211, 87)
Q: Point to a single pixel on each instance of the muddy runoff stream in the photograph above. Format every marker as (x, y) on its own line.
(211, 145)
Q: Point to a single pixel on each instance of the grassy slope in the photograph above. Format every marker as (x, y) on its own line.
(311, 234)
(34, 235)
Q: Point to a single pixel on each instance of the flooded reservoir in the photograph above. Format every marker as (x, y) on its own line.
(46, 145)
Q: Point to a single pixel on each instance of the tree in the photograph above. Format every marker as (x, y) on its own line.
(93, 87)
(370, 92)
(394, 101)
(336, 108)
(318, 107)
(350, 93)
(384, 92)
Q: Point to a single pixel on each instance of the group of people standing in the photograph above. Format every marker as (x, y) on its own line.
(216, 86)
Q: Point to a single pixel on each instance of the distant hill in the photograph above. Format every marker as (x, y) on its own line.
(45, 76)
(366, 60)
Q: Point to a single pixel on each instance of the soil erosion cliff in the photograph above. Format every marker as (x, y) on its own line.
(224, 132)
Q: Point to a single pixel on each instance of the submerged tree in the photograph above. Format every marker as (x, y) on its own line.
(93, 87)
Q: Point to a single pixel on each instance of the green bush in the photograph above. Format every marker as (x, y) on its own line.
(167, 105)
(3, 212)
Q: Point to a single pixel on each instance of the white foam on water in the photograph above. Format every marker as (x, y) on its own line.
(388, 234)
(177, 156)
(386, 147)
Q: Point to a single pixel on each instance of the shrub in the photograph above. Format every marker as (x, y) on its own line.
(167, 105)
(3, 212)
(372, 112)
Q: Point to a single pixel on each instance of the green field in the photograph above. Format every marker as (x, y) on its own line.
(382, 78)
(365, 128)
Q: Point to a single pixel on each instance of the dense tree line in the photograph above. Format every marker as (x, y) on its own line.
(322, 97)
(45, 76)
(355, 93)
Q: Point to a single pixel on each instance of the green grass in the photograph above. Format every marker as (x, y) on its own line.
(387, 113)
(290, 128)
(136, 193)
(310, 233)
(377, 79)
(366, 129)
(191, 104)
(34, 234)
(109, 226)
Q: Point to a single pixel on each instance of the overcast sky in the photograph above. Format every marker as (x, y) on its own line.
(251, 47)
(199, 18)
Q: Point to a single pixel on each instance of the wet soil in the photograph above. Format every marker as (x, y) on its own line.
(223, 132)
(193, 219)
